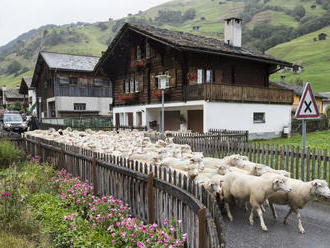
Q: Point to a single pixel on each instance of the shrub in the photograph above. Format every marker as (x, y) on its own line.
(9, 154)
(14, 67)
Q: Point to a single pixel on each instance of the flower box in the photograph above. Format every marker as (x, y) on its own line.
(128, 97)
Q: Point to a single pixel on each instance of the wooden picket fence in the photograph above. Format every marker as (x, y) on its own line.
(305, 164)
(153, 193)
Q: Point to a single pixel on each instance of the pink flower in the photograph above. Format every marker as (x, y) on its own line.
(72, 226)
(140, 244)
(113, 241)
(165, 222)
(104, 199)
(134, 235)
(6, 194)
(93, 226)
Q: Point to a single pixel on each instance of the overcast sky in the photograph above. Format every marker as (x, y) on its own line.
(19, 16)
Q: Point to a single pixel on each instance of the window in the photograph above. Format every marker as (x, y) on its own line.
(136, 85)
(126, 86)
(73, 80)
(62, 80)
(148, 50)
(209, 76)
(79, 106)
(259, 118)
(110, 107)
(200, 75)
(138, 53)
(131, 85)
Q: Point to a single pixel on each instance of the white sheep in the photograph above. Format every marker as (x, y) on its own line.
(253, 189)
(300, 195)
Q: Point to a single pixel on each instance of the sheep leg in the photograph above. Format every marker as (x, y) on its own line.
(287, 216)
(262, 223)
(251, 221)
(300, 227)
(262, 208)
(230, 217)
(273, 210)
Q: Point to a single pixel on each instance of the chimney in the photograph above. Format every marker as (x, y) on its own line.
(233, 32)
(282, 79)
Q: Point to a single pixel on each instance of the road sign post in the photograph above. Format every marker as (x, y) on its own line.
(307, 109)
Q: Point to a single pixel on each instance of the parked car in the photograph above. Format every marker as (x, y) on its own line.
(12, 121)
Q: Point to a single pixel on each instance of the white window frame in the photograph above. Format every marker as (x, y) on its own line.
(126, 86)
(138, 53)
(209, 76)
(136, 85)
(200, 76)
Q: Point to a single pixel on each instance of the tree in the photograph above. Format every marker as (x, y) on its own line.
(189, 14)
(14, 67)
(299, 12)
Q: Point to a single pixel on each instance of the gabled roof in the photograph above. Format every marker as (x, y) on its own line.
(190, 42)
(64, 62)
(297, 89)
(325, 95)
(25, 85)
(27, 80)
(61, 61)
(13, 93)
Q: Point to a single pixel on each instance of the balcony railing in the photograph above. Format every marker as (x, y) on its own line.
(235, 93)
(89, 91)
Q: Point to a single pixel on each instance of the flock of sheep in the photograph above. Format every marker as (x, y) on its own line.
(233, 178)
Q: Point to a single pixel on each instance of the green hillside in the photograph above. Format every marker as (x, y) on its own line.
(266, 23)
(313, 55)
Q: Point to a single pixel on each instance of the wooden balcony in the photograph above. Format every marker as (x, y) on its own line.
(235, 93)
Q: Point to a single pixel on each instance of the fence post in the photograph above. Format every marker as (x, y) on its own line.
(40, 151)
(94, 174)
(202, 228)
(62, 164)
(151, 198)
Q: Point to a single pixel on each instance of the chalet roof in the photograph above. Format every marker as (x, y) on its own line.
(25, 85)
(61, 61)
(28, 81)
(13, 93)
(325, 95)
(191, 42)
(297, 89)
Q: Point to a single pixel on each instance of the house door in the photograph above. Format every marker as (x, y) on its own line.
(195, 120)
(117, 120)
(130, 119)
(172, 120)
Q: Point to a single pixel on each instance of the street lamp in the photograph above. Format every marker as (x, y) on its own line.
(162, 85)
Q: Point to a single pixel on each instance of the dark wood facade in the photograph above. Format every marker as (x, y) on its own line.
(50, 83)
(137, 57)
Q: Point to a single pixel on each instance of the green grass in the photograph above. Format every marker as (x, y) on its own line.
(319, 139)
(315, 57)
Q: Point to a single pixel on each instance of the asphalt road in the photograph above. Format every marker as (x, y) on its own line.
(315, 220)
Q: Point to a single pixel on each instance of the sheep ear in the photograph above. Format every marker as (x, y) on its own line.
(314, 183)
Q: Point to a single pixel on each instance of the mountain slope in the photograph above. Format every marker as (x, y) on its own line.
(313, 55)
(266, 23)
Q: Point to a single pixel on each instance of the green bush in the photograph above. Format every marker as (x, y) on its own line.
(9, 154)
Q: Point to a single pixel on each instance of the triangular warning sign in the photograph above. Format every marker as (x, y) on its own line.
(307, 108)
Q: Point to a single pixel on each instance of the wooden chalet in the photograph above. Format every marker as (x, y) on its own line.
(67, 87)
(212, 84)
(29, 93)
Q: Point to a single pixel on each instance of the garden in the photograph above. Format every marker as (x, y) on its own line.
(42, 207)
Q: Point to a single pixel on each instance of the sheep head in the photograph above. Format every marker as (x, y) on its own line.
(281, 183)
(320, 188)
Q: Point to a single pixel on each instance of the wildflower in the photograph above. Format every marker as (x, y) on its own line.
(165, 222)
(140, 244)
(72, 227)
(6, 194)
(113, 241)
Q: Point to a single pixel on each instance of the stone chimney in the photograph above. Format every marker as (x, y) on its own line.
(283, 79)
(233, 32)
